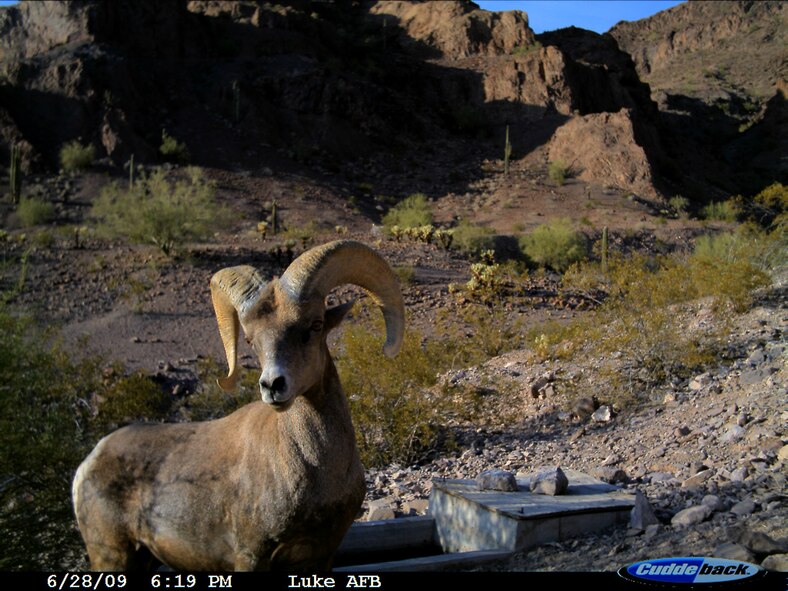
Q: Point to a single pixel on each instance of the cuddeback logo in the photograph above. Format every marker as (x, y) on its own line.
(690, 570)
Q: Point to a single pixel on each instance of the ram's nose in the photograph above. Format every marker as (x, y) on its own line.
(273, 389)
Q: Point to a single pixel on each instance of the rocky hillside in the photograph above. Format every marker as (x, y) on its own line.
(710, 50)
(718, 71)
(322, 84)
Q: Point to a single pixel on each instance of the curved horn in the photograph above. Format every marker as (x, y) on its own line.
(234, 292)
(325, 267)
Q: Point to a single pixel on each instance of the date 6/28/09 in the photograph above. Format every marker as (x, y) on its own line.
(86, 581)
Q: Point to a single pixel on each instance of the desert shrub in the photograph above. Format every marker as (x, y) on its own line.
(74, 156)
(726, 246)
(211, 402)
(43, 239)
(556, 245)
(558, 170)
(304, 235)
(397, 418)
(762, 249)
(131, 398)
(160, 212)
(172, 150)
(486, 331)
(524, 50)
(472, 239)
(405, 274)
(52, 411)
(412, 212)
(41, 442)
(33, 211)
(487, 280)
(643, 321)
(769, 208)
(679, 204)
(721, 211)
(731, 266)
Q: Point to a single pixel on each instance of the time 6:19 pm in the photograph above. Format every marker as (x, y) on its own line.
(173, 581)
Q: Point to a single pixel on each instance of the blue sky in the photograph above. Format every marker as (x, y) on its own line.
(594, 15)
(546, 15)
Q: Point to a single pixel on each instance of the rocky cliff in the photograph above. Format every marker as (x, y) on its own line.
(710, 49)
(717, 71)
(323, 83)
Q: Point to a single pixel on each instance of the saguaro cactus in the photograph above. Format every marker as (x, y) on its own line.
(131, 172)
(604, 250)
(15, 174)
(507, 152)
(236, 101)
(273, 217)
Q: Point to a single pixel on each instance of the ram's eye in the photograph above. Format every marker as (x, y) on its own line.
(315, 327)
(249, 341)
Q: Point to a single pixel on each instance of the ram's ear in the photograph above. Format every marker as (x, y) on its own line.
(335, 315)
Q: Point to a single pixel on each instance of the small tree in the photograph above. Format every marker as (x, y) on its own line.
(157, 211)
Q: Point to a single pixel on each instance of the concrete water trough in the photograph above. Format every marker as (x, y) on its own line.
(467, 527)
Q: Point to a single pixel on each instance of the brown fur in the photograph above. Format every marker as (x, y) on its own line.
(266, 487)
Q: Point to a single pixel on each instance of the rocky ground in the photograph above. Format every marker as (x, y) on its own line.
(710, 457)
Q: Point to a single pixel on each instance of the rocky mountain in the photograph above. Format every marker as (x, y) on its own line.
(324, 83)
(319, 82)
(710, 50)
(718, 71)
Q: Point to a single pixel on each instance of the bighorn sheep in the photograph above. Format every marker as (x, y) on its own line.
(276, 484)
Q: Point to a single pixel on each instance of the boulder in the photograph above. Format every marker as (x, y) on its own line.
(642, 515)
(607, 149)
(691, 516)
(497, 480)
(455, 29)
(550, 481)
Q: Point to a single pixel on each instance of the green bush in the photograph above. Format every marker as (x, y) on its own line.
(769, 208)
(160, 212)
(524, 50)
(172, 150)
(679, 204)
(558, 170)
(397, 418)
(52, 412)
(472, 239)
(556, 245)
(131, 398)
(211, 402)
(74, 156)
(723, 211)
(648, 304)
(487, 278)
(34, 211)
(487, 331)
(398, 409)
(412, 212)
(405, 274)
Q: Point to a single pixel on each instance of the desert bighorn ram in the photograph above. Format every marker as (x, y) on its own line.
(276, 484)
